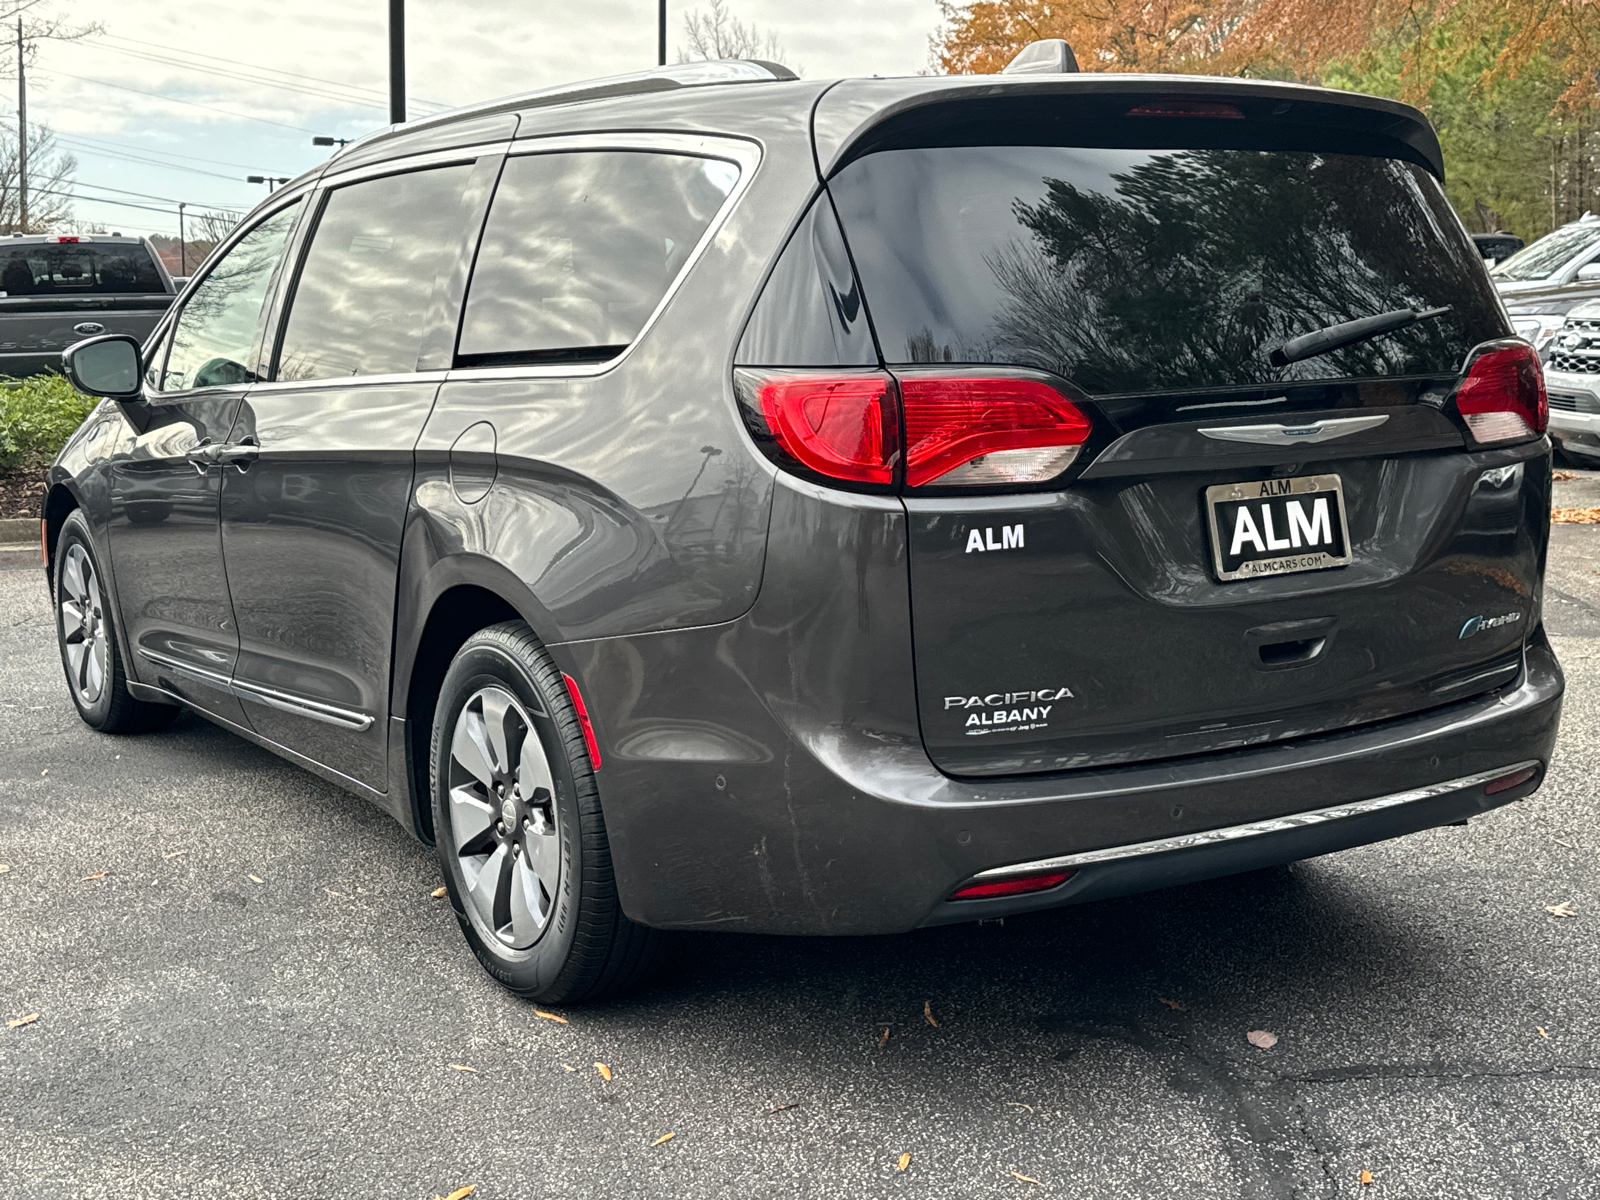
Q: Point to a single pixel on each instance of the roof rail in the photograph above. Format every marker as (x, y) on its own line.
(657, 79)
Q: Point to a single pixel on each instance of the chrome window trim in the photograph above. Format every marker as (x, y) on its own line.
(1233, 833)
(333, 179)
(344, 381)
(316, 710)
(743, 152)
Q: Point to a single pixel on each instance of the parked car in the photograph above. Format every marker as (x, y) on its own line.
(1572, 372)
(710, 500)
(59, 289)
(1542, 282)
(1496, 247)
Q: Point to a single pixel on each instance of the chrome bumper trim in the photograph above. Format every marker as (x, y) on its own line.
(1233, 833)
(316, 710)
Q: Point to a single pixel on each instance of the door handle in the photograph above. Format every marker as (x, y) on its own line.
(240, 454)
(204, 455)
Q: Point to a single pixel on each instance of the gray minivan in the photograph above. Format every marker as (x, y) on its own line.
(711, 500)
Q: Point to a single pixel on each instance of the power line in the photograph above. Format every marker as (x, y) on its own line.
(174, 100)
(244, 74)
(79, 146)
(142, 154)
(375, 92)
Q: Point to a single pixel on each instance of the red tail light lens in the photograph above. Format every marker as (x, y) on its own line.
(1020, 886)
(1502, 396)
(986, 431)
(1178, 107)
(839, 426)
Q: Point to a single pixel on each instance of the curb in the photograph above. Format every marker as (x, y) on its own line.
(19, 533)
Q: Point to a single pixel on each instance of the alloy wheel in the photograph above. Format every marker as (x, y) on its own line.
(83, 626)
(503, 820)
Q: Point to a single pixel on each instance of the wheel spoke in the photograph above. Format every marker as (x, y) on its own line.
(544, 852)
(76, 653)
(470, 748)
(484, 882)
(497, 711)
(72, 620)
(527, 906)
(72, 575)
(95, 671)
(472, 822)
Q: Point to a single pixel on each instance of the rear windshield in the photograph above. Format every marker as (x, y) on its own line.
(1138, 271)
(77, 268)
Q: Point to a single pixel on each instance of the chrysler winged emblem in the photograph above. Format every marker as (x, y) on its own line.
(1289, 435)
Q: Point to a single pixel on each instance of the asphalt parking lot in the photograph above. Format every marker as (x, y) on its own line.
(244, 989)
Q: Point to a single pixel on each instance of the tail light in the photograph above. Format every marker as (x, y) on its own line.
(1179, 107)
(941, 429)
(1501, 397)
(983, 431)
(1019, 885)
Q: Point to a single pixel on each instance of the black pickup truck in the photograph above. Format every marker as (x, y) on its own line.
(56, 290)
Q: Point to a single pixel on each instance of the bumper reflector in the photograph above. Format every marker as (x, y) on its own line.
(1018, 886)
(1506, 782)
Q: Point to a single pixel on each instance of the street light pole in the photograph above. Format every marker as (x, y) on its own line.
(21, 132)
(661, 35)
(183, 249)
(397, 61)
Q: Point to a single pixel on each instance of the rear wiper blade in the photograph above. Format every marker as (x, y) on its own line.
(1320, 341)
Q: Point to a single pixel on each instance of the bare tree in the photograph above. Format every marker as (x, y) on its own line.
(50, 173)
(720, 34)
(41, 22)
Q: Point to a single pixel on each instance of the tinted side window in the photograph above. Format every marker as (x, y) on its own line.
(810, 312)
(216, 332)
(361, 302)
(106, 268)
(579, 249)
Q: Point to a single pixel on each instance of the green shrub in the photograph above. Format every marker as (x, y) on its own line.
(37, 416)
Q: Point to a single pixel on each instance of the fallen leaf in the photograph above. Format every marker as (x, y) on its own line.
(1025, 1178)
(665, 1137)
(927, 1014)
(464, 1067)
(1575, 516)
(27, 1020)
(255, 879)
(783, 1107)
(1261, 1039)
(103, 874)
(461, 1193)
(1174, 1005)
(1541, 1030)
(605, 1071)
(1563, 476)
(1020, 1104)
(550, 1016)
(1564, 909)
(4, 868)
(884, 1039)
(1366, 1178)
(438, 893)
(901, 1163)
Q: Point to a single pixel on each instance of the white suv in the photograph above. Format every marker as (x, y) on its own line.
(1572, 377)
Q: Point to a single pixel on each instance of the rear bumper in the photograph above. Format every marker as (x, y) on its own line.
(1123, 870)
(840, 828)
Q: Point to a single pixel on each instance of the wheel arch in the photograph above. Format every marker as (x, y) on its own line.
(461, 595)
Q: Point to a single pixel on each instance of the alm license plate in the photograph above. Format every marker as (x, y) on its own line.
(1277, 526)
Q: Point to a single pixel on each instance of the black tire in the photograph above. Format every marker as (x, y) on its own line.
(585, 948)
(90, 655)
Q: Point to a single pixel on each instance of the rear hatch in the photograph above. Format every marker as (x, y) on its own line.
(1238, 551)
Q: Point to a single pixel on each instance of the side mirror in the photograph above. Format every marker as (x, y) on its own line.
(104, 366)
(1589, 272)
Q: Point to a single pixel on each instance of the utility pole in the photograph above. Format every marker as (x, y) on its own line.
(661, 36)
(21, 132)
(397, 61)
(183, 256)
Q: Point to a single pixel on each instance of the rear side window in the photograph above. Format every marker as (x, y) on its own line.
(79, 268)
(361, 302)
(810, 312)
(580, 248)
(1139, 270)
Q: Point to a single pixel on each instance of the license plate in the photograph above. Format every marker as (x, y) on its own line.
(1277, 526)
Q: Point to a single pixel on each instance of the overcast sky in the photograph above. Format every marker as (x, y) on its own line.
(459, 52)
